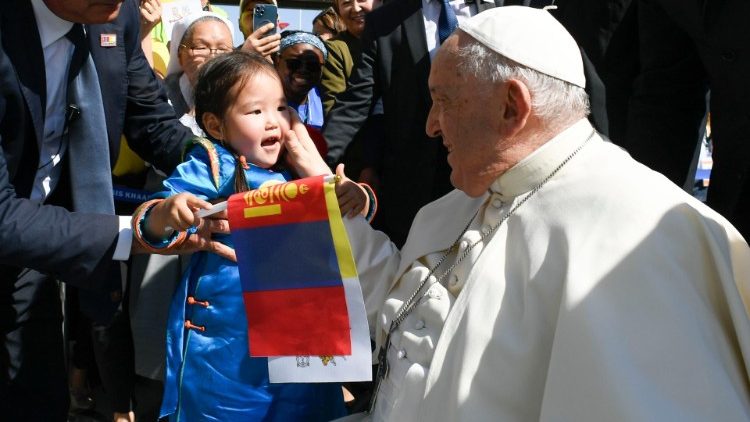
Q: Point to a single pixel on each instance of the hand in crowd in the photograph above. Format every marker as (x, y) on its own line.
(265, 45)
(150, 15)
(178, 212)
(353, 198)
(202, 239)
(302, 155)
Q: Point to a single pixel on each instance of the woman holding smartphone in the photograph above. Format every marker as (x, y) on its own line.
(265, 39)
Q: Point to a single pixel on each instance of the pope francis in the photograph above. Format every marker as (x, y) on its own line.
(561, 280)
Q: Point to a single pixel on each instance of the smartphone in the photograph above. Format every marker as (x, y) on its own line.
(263, 14)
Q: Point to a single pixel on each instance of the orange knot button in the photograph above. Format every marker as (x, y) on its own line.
(192, 301)
(190, 326)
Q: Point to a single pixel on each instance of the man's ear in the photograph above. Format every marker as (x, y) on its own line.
(517, 105)
(212, 123)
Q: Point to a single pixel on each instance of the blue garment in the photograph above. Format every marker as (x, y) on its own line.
(311, 112)
(210, 374)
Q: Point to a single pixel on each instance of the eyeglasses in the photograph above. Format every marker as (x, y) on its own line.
(203, 51)
(294, 64)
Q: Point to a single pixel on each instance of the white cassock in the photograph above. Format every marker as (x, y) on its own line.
(610, 295)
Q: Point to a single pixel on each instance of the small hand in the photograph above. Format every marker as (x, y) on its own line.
(176, 212)
(302, 155)
(353, 198)
(150, 15)
(258, 42)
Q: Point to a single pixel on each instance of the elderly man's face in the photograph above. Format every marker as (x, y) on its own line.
(85, 11)
(467, 114)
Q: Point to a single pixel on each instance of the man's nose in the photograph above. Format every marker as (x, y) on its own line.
(432, 127)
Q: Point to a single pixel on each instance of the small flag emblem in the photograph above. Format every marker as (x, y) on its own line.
(108, 40)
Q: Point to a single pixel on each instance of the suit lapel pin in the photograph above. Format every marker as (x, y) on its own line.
(108, 40)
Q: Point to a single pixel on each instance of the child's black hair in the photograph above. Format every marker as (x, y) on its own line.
(219, 81)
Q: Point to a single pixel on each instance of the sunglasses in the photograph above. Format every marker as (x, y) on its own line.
(295, 64)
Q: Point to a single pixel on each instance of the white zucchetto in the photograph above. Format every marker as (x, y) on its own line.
(531, 37)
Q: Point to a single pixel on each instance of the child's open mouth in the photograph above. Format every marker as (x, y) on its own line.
(269, 142)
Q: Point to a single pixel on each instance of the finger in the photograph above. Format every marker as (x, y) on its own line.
(346, 203)
(223, 250)
(292, 144)
(270, 40)
(357, 210)
(267, 51)
(258, 33)
(215, 225)
(343, 184)
(262, 42)
(196, 203)
(302, 135)
(342, 192)
(340, 173)
(184, 219)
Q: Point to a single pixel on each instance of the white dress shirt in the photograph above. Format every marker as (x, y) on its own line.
(58, 51)
(431, 12)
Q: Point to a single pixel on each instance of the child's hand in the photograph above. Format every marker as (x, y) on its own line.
(353, 198)
(177, 212)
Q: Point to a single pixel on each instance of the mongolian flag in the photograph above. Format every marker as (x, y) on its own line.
(293, 255)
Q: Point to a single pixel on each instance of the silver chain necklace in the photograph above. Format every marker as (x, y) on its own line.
(408, 306)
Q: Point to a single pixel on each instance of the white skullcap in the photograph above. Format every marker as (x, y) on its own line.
(178, 31)
(531, 37)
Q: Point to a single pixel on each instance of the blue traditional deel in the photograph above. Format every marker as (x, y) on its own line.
(210, 374)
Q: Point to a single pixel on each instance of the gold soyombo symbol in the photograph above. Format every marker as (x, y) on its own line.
(266, 200)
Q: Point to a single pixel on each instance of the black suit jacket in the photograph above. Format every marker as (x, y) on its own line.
(394, 66)
(72, 247)
(687, 48)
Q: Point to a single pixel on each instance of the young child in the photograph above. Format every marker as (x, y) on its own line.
(241, 106)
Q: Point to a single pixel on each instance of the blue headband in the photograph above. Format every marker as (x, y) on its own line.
(304, 38)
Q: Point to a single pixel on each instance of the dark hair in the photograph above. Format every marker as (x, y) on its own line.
(330, 20)
(219, 81)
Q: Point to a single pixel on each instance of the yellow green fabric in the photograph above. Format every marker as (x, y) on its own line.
(343, 51)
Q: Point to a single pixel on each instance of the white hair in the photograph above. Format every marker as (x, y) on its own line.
(553, 100)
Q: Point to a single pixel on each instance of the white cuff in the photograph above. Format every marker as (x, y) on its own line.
(124, 240)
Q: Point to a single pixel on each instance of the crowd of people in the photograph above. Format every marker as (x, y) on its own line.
(536, 253)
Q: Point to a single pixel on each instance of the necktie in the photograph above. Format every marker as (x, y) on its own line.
(447, 21)
(88, 143)
(90, 169)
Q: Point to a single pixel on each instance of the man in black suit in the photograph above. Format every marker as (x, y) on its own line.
(394, 66)
(687, 48)
(39, 241)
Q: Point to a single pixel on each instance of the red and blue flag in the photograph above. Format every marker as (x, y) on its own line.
(292, 259)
